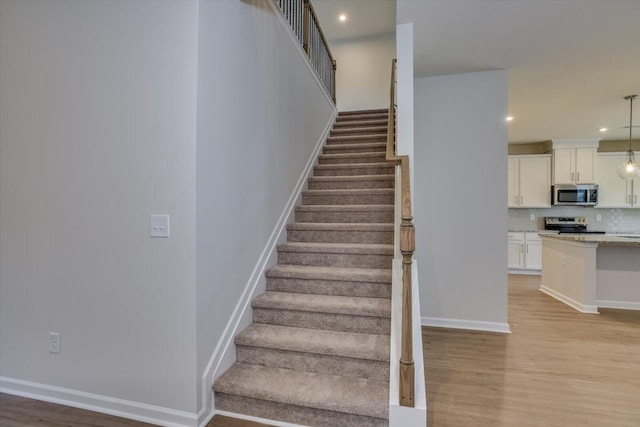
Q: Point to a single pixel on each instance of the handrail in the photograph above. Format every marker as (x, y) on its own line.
(305, 25)
(407, 248)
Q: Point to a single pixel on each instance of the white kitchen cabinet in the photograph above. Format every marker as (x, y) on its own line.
(613, 191)
(529, 181)
(525, 251)
(574, 165)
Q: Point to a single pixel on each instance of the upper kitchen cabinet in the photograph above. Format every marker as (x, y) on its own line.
(574, 160)
(574, 165)
(529, 183)
(614, 192)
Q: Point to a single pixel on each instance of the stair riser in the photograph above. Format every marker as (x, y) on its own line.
(351, 185)
(350, 171)
(353, 199)
(343, 149)
(335, 236)
(367, 217)
(360, 123)
(356, 139)
(377, 131)
(355, 158)
(293, 414)
(335, 259)
(327, 321)
(329, 287)
(312, 362)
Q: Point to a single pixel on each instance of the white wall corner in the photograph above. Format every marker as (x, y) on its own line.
(471, 325)
(224, 355)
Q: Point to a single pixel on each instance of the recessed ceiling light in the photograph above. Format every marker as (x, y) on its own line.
(603, 129)
(509, 118)
(342, 17)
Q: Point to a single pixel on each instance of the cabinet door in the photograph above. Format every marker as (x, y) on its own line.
(515, 258)
(513, 194)
(563, 169)
(535, 182)
(613, 192)
(633, 192)
(585, 165)
(533, 255)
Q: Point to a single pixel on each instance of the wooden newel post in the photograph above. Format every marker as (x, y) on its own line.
(305, 27)
(334, 81)
(407, 376)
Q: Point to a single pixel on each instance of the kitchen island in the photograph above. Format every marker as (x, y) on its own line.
(588, 271)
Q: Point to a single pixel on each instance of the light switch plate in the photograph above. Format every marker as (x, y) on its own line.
(598, 217)
(159, 225)
(532, 217)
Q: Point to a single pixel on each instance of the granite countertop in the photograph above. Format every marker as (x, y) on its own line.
(601, 239)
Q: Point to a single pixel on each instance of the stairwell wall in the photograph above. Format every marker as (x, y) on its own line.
(261, 114)
(363, 67)
(97, 132)
(460, 199)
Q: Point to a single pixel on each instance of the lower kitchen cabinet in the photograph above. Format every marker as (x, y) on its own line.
(525, 251)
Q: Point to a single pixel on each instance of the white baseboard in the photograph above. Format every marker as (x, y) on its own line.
(525, 272)
(257, 419)
(472, 325)
(620, 305)
(589, 309)
(98, 403)
(224, 353)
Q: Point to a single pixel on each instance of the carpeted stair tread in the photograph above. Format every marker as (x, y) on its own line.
(350, 191)
(353, 306)
(356, 139)
(338, 248)
(321, 391)
(345, 208)
(370, 130)
(317, 341)
(359, 148)
(364, 122)
(351, 178)
(355, 156)
(363, 112)
(304, 272)
(338, 226)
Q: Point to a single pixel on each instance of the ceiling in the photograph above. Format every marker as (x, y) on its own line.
(569, 62)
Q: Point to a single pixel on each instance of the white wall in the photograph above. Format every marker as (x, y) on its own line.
(363, 71)
(460, 191)
(260, 115)
(97, 131)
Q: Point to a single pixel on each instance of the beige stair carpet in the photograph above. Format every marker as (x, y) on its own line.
(317, 352)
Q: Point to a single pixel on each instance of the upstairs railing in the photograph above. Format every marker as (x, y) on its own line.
(305, 26)
(407, 247)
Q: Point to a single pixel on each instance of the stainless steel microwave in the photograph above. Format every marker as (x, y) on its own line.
(574, 195)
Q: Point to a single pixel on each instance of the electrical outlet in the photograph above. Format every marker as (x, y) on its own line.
(598, 217)
(54, 342)
(532, 217)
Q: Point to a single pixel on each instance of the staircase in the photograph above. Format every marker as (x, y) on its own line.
(317, 353)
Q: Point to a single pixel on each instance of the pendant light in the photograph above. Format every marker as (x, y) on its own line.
(630, 169)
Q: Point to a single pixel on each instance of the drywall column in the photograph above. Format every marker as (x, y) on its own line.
(460, 199)
(405, 94)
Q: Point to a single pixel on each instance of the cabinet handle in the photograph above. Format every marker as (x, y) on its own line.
(516, 201)
(572, 175)
(521, 200)
(578, 177)
(527, 246)
(635, 199)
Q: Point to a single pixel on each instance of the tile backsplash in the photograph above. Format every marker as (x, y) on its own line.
(612, 220)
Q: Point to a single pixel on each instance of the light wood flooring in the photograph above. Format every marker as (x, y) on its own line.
(558, 368)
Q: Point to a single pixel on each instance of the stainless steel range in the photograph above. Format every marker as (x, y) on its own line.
(577, 224)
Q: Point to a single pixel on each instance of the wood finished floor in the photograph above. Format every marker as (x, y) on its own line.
(558, 368)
